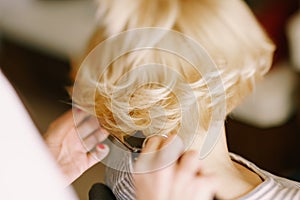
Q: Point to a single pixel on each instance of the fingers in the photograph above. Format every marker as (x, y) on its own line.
(157, 142)
(91, 135)
(171, 176)
(87, 126)
(189, 162)
(64, 120)
(153, 144)
(205, 187)
(98, 154)
(63, 124)
(59, 128)
(189, 170)
(79, 115)
(94, 138)
(181, 180)
(89, 130)
(158, 153)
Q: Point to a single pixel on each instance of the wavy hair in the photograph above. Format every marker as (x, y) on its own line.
(227, 30)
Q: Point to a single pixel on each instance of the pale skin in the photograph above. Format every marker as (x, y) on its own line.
(233, 179)
(182, 179)
(171, 181)
(228, 179)
(65, 144)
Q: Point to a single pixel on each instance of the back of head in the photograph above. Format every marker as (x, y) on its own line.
(227, 30)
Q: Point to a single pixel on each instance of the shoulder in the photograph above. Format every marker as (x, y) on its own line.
(272, 187)
(119, 178)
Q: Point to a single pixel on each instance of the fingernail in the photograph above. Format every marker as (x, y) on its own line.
(101, 146)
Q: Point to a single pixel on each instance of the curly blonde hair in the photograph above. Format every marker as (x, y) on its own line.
(228, 31)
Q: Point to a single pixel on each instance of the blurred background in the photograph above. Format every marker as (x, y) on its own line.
(40, 38)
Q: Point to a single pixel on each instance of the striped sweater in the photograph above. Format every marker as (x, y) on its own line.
(272, 187)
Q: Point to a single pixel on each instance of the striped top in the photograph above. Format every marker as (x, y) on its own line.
(272, 187)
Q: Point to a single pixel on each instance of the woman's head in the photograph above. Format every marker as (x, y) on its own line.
(144, 89)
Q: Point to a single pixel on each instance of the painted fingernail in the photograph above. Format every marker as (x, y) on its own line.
(101, 146)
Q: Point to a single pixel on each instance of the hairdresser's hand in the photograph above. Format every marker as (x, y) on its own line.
(64, 143)
(177, 181)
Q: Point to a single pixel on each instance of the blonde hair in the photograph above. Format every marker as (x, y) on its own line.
(226, 29)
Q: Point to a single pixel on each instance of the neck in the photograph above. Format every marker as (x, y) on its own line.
(234, 180)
